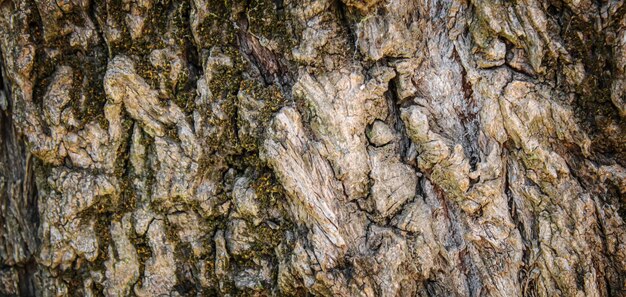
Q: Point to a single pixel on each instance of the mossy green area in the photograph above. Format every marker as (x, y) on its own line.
(269, 21)
(167, 26)
(144, 253)
(272, 100)
(221, 30)
(88, 68)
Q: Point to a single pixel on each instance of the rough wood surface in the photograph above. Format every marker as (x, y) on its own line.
(312, 147)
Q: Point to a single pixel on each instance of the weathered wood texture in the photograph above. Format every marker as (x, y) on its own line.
(325, 147)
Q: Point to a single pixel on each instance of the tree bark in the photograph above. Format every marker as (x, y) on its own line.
(313, 147)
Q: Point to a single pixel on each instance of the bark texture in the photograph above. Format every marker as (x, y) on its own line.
(313, 147)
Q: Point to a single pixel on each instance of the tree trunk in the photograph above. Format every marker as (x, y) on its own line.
(324, 147)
